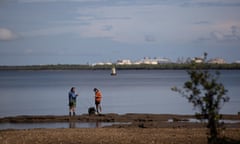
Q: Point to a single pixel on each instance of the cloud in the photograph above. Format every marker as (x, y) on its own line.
(135, 23)
(38, 1)
(216, 35)
(6, 34)
(51, 31)
(202, 22)
(107, 28)
(141, 21)
(232, 35)
(201, 3)
(32, 1)
(212, 3)
(150, 38)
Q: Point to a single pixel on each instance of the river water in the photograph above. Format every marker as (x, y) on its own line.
(131, 91)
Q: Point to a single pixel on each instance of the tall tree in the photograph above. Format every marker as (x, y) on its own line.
(207, 95)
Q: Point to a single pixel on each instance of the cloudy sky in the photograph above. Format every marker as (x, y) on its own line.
(89, 31)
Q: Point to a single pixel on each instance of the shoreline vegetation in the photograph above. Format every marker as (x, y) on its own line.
(169, 66)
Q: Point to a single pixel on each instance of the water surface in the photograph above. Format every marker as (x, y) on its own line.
(131, 91)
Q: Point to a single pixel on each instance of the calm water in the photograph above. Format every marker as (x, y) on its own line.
(131, 91)
(57, 125)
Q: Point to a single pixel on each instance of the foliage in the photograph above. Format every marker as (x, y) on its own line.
(207, 95)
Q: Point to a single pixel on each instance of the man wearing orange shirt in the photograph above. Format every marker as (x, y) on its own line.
(98, 98)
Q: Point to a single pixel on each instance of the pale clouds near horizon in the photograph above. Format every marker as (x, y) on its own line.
(6, 34)
(146, 26)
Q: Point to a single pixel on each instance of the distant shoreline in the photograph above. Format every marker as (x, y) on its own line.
(170, 66)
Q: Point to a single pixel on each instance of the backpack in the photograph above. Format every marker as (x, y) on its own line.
(91, 111)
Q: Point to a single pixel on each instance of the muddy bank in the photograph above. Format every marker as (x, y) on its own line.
(142, 129)
(111, 117)
(134, 120)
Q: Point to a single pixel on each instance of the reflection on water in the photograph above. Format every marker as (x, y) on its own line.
(97, 124)
(70, 124)
(192, 120)
(221, 121)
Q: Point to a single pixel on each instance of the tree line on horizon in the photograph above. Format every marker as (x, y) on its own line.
(173, 66)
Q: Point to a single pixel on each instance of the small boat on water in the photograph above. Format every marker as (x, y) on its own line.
(113, 73)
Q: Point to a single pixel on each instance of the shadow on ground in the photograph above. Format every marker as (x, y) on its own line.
(228, 141)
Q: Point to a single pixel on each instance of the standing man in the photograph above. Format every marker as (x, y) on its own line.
(98, 98)
(72, 101)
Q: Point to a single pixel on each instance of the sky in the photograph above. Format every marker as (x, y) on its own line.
(36, 32)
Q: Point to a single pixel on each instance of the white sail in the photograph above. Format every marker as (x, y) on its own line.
(113, 71)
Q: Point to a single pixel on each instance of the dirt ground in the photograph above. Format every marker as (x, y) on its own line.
(113, 136)
(143, 129)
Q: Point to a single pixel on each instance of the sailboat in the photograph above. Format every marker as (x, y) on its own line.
(113, 73)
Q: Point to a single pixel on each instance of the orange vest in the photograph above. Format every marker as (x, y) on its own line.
(98, 96)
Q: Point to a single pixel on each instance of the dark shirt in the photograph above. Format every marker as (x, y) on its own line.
(72, 96)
